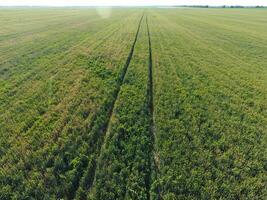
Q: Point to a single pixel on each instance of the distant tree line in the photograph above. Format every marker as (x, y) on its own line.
(222, 6)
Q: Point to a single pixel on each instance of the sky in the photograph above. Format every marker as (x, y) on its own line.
(129, 2)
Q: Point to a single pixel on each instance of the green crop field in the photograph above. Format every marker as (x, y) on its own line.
(133, 103)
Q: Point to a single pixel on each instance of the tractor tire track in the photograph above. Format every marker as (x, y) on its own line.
(155, 158)
(103, 130)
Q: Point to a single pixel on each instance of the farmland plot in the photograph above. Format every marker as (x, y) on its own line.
(141, 104)
(54, 104)
(210, 97)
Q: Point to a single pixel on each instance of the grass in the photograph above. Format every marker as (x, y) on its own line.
(97, 108)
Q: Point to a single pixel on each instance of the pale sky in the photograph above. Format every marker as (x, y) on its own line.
(128, 2)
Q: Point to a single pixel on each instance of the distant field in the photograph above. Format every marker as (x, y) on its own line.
(136, 103)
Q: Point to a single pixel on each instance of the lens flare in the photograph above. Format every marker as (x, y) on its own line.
(104, 12)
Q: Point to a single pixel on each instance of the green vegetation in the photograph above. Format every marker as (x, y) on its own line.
(144, 104)
(59, 104)
(124, 166)
(210, 103)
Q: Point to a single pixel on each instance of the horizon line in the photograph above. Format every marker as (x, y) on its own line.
(184, 5)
